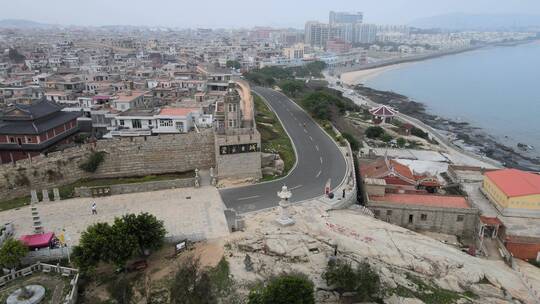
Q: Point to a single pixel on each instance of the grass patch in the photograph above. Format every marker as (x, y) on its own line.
(429, 293)
(274, 139)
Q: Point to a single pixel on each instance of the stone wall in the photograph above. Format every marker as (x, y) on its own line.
(135, 156)
(239, 165)
(442, 220)
(138, 187)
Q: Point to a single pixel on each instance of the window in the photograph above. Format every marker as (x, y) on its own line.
(423, 217)
(11, 140)
(232, 107)
(29, 139)
(411, 218)
(232, 123)
(460, 218)
(377, 213)
(136, 123)
(180, 126)
(121, 122)
(165, 123)
(150, 122)
(388, 212)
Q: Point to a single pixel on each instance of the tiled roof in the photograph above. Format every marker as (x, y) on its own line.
(515, 182)
(438, 201)
(383, 111)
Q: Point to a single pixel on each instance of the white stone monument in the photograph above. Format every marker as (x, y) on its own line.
(56, 194)
(33, 197)
(284, 219)
(197, 178)
(45, 193)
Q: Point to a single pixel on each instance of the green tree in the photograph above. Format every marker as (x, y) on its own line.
(293, 288)
(343, 278)
(92, 163)
(355, 144)
(145, 227)
(92, 246)
(291, 87)
(191, 285)
(374, 132)
(233, 64)
(386, 137)
(401, 142)
(12, 252)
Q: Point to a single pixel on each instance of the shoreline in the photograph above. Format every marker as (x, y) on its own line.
(463, 135)
(357, 74)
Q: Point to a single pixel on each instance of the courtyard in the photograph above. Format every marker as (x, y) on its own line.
(187, 213)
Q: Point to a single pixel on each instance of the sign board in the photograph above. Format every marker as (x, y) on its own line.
(237, 149)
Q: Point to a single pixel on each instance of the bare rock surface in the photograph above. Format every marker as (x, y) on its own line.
(402, 258)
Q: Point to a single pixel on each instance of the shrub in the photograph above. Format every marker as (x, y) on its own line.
(12, 252)
(294, 288)
(343, 278)
(401, 142)
(374, 132)
(92, 163)
(355, 144)
(386, 137)
(419, 133)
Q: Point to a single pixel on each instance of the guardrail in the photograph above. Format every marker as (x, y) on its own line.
(47, 254)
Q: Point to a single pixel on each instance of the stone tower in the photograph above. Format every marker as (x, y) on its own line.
(232, 112)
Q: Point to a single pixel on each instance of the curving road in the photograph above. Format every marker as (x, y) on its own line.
(318, 160)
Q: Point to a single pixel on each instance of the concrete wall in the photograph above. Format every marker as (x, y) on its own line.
(138, 187)
(442, 220)
(240, 165)
(137, 156)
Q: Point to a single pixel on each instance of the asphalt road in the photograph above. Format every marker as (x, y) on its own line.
(318, 160)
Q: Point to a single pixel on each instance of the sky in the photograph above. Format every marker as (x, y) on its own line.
(245, 13)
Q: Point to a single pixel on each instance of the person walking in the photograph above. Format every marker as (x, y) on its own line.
(94, 208)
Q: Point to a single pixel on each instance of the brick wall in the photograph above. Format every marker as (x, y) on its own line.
(137, 156)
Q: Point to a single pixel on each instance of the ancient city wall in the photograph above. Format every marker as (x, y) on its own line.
(135, 156)
(239, 164)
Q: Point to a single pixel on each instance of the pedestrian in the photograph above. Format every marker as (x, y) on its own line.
(94, 210)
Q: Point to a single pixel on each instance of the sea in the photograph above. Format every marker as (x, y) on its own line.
(496, 89)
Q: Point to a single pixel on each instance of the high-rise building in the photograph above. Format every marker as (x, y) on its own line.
(365, 33)
(345, 17)
(317, 34)
(343, 31)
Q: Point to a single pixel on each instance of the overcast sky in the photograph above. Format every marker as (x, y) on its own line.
(245, 13)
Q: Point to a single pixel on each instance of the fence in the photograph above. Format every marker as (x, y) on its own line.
(71, 297)
(7, 232)
(47, 254)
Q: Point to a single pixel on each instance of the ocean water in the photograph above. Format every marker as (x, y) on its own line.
(496, 89)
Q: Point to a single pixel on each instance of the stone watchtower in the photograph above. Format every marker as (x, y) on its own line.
(231, 108)
(237, 141)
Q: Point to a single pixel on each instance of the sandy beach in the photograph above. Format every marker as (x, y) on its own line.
(356, 77)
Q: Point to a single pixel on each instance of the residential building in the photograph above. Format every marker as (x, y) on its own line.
(317, 34)
(345, 17)
(365, 33)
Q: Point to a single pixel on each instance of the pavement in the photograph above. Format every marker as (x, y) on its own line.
(318, 160)
(187, 213)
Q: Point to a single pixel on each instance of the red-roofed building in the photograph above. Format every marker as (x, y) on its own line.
(428, 212)
(513, 192)
(398, 177)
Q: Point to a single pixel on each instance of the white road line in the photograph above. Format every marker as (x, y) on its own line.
(246, 198)
(320, 159)
(296, 187)
(318, 174)
(311, 138)
(305, 131)
(316, 147)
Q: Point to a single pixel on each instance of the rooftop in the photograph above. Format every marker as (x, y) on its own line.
(437, 201)
(515, 182)
(176, 111)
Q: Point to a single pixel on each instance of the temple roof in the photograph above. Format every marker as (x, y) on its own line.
(383, 111)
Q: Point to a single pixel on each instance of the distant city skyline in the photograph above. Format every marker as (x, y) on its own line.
(243, 13)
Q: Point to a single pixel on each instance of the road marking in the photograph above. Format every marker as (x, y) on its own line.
(305, 131)
(318, 174)
(317, 147)
(311, 138)
(296, 187)
(320, 159)
(249, 197)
